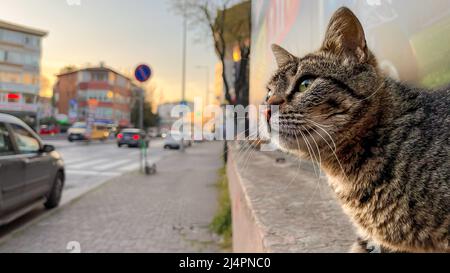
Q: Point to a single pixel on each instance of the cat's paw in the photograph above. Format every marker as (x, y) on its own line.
(364, 246)
(360, 246)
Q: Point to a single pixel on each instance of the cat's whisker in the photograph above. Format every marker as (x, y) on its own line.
(337, 158)
(241, 148)
(314, 162)
(252, 151)
(324, 126)
(320, 159)
(242, 153)
(299, 164)
(326, 132)
(312, 156)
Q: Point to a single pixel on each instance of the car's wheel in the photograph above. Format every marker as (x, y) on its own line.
(166, 147)
(70, 139)
(56, 193)
(119, 145)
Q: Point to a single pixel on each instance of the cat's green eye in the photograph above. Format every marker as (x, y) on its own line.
(305, 84)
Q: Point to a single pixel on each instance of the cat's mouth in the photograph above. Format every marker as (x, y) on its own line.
(287, 126)
(295, 133)
(289, 129)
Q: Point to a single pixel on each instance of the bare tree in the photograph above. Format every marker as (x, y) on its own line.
(212, 15)
(237, 34)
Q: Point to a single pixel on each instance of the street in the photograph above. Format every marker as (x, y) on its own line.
(98, 178)
(87, 167)
(90, 165)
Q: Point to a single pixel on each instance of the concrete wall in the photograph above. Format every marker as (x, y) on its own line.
(283, 207)
(246, 233)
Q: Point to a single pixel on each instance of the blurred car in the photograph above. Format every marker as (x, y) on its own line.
(153, 132)
(49, 130)
(173, 141)
(132, 138)
(79, 132)
(31, 173)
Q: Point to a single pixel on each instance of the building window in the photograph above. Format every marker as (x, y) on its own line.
(29, 99)
(13, 37)
(85, 76)
(100, 95)
(14, 57)
(112, 78)
(31, 59)
(103, 113)
(99, 76)
(10, 77)
(30, 79)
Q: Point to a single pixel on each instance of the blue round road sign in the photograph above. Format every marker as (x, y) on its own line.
(143, 73)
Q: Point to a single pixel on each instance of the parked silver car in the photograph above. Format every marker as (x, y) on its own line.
(173, 141)
(31, 173)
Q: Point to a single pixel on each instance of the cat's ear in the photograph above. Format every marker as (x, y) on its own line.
(282, 56)
(345, 36)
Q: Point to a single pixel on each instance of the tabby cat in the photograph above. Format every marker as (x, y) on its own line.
(384, 146)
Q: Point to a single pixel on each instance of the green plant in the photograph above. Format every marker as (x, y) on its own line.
(221, 224)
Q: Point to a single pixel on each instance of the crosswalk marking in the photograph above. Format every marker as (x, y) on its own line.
(82, 159)
(113, 164)
(74, 161)
(130, 167)
(88, 163)
(94, 173)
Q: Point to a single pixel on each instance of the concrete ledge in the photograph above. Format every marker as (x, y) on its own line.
(283, 207)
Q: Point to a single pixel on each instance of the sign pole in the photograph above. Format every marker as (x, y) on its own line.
(143, 73)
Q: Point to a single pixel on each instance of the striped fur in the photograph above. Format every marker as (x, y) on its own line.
(385, 146)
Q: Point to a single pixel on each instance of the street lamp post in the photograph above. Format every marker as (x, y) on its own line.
(183, 81)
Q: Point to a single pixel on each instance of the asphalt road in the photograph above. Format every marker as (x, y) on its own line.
(88, 166)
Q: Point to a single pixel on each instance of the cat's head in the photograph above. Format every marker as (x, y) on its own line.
(322, 95)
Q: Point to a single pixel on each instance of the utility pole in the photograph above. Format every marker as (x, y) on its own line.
(207, 83)
(183, 81)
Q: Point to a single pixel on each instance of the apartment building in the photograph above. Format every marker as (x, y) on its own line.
(110, 90)
(20, 68)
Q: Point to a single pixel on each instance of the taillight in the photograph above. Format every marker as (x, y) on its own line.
(119, 136)
(136, 137)
(13, 96)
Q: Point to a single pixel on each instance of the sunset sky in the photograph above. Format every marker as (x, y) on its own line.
(120, 33)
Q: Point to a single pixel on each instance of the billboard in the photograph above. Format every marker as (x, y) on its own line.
(410, 38)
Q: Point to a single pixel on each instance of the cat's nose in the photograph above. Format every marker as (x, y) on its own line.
(274, 100)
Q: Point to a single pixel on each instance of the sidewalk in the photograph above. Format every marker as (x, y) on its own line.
(167, 212)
